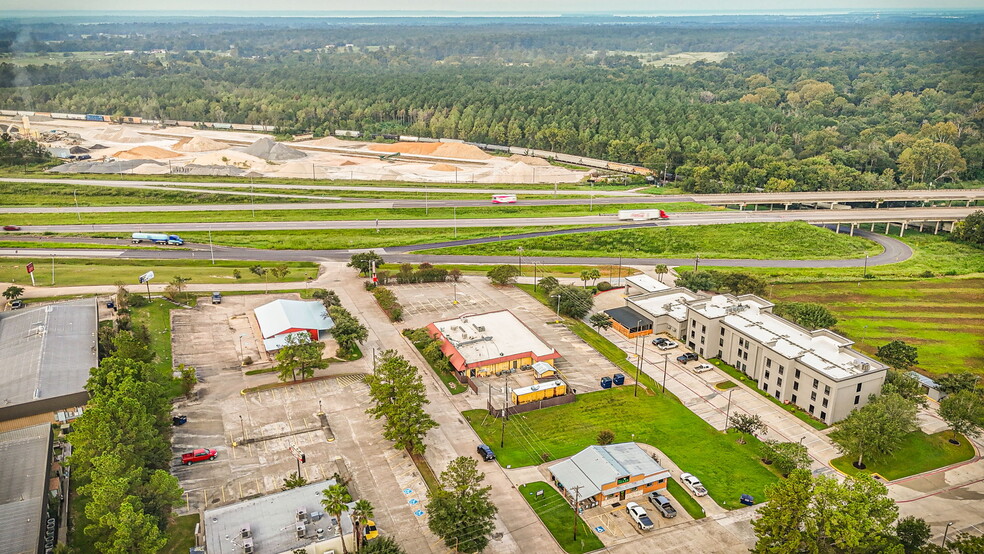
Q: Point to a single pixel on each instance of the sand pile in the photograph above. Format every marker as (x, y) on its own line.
(444, 167)
(96, 147)
(528, 160)
(267, 149)
(78, 150)
(229, 157)
(120, 134)
(333, 142)
(439, 149)
(348, 162)
(199, 144)
(150, 169)
(146, 153)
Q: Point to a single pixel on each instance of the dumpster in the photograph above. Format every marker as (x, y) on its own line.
(606, 382)
(747, 499)
(618, 379)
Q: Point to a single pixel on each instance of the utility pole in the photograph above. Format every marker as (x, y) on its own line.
(865, 276)
(666, 357)
(727, 413)
(78, 211)
(505, 413)
(52, 269)
(534, 276)
(454, 212)
(520, 250)
(696, 262)
(577, 497)
(210, 249)
(642, 358)
(243, 425)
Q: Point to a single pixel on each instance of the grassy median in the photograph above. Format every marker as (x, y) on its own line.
(918, 453)
(559, 518)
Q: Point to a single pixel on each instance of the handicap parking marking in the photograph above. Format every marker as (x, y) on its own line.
(407, 491)
(418, 513)
(599, 529)
(413, 501)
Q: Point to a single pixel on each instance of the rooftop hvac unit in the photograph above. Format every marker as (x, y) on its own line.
(315, 516)
(248, 546)
(865, 366)
(301, 531)
(302, 515)
(321, 534)
(245, 532)
(480, 328)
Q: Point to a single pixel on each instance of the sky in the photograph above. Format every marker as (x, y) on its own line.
(501, 6)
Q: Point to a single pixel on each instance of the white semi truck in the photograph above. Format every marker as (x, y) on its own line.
(157, 238)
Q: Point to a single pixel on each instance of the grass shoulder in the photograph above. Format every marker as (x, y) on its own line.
(559, 518)
(684, 499)
(180, 534)
(918, 453)
(608, 272)
(790, 240)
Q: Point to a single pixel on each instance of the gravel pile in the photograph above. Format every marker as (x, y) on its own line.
(121, 166)
(267, 149)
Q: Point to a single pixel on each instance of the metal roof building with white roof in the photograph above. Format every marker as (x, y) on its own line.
(643, 283)
(283, 317)
(607, 472)
(489, 343)
(47, 353)
(24, 456)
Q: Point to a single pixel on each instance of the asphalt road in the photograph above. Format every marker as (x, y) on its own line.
(683, 218)
(895, 251)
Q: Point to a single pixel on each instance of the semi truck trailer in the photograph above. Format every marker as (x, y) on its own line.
(157, 238)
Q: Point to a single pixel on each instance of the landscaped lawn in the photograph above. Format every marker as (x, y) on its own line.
(919, 453)
(793, 240)
(734, 373)
(608, 272)
(942, 317)
(180, 534)
(157, 317)
(684, 500)
(725, 385)
(558, 516)
(102, 271)
(726, 468)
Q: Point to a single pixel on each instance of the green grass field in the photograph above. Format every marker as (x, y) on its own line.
(558, 516)
(791, 408)
(935, 254)
(684, 500)
(794, 240)
(42, 244)
(608, 272)
(919, 453)
(102, 271)
(180, 534)
(491, 211)
(943, 317)
(651, 418)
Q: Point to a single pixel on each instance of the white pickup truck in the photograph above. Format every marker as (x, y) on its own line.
(693, 484)
(639, 515)
(701, 368)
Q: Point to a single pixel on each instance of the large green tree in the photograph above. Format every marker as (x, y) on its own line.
(363, 261)
(503, 274)
(399, 397)
(335, 502)
(806, 314)
(461, 511)
(877, 429)
(300, 356)
(898, 354)
(348, 331)
(964, 412)
(821, 515)
(572, 301)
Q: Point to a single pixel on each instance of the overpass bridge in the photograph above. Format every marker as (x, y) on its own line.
(844, 199)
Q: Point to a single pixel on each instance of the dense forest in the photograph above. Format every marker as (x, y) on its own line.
(831, 102)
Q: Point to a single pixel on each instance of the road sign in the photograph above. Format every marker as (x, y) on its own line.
(146, 276)
(30, 267)
(297, 453)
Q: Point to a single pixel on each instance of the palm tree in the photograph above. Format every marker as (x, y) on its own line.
(661, 270)
(335, 501)
(361, 514)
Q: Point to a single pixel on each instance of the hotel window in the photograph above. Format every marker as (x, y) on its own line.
(859, 387)
(796, 385)
(824, 402)
(766, 374)
(857, 400)
(779, 381)
(703, 328)
(721, 342)
(693, 323)
(813, 395)
(768, 362)
(744, 356)
(693, 334)
(702, 339)
(765, 387)
(793, 399)
(722, 330)
(826, 389)
(811, 408)
(816, 383)
(777, 395)
(823, 415)
(781, 369)
(797, 373)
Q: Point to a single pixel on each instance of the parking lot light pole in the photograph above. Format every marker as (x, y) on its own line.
(642, 358)
(945, 531)
(243, 426)
(666, 357)
(727, 412)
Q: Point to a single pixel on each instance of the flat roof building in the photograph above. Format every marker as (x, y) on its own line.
(278, 523)
(641, 284)
(608, 472)
(284, 317)
(489, 343)
(24, 456)
(629, 322)
(47, 353)
(815, 370)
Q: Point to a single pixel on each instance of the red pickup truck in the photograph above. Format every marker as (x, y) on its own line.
(198, 455)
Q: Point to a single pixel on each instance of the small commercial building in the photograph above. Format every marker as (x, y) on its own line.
(284, 317)
(282, 522)
(668, 309)
(47, 352)
(490, 343)
(630, 322)
(539, 391)
(612, 472)
(25, 456)
(928, 386)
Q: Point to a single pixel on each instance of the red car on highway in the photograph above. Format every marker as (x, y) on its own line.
(11, 228)
(198, 455)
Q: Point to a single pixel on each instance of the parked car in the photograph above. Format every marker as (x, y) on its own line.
(486, 453)
(662, 504)
(668, 345)
(639, 515)
(659, 341)
(216, 298)
(369, 531)
(701, 368)
(198, 455)
(11, 228)
(684, 358)
(693, 484)
(16, 304)
(111, 304)
(179, 420)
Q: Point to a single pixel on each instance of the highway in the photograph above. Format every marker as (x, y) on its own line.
(893, 215)
(895, 251)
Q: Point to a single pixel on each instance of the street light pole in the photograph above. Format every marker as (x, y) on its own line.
(945, 531)
(666, 357)
(642, 358)
(727, 413)
(520, 250)
(454, 212)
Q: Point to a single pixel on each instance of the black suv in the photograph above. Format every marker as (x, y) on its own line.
(486, 453)
(688, 357)
(658, 341)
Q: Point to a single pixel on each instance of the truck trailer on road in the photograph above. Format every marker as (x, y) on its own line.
(157, 238)
(641, 215)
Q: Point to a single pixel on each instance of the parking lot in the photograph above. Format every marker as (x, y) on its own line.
(613, 525)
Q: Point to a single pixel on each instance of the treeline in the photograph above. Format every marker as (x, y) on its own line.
(795, 107)
(121, 453)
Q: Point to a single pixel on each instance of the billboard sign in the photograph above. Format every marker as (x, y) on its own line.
(30, 267)
(146, 276)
